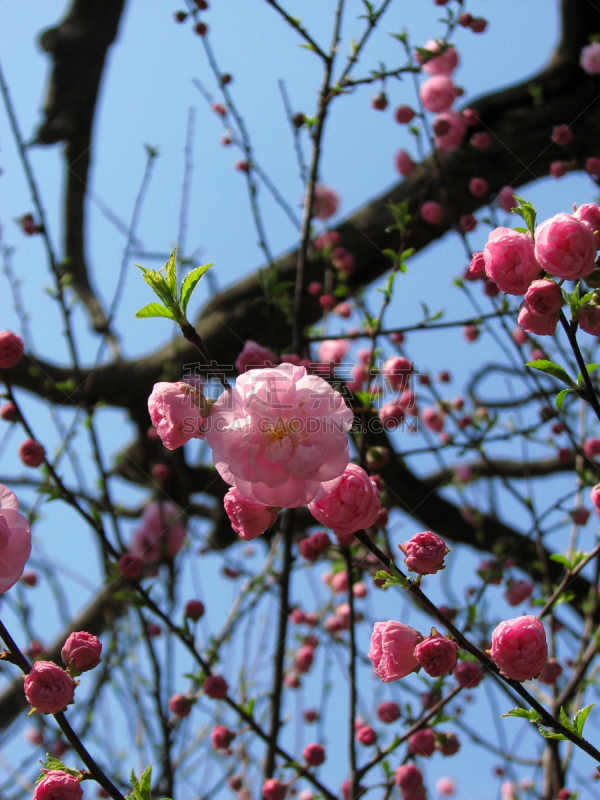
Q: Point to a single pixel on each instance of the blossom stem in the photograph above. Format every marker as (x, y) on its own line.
(352, 676)
(571, 329)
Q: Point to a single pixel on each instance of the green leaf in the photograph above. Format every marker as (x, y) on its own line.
(550, 368)
(580, 718)
(560, 398)
(566, 721)
(154, 310)
(560, 559)
(141, 788)
(548, 735)
(189, 284)
(532, 715)
(589, 369)
(171, 274)
(527, 212)
(520, 230)
(391, 254)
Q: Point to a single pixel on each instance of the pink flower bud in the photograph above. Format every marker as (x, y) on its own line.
(451, 133)
(481, 140)
(315, 289)
(432, 420)
(48, 688)
(310, 715)
(351, 506)
(565, 247)
(468, 674)
(216, 687)
(424, 553)
(506, 199)
(562, 135)
(403, 115)
(595, 497)
(392, 650)
(58, 785)
(9, 412)
(432, 213)
(477, 266)
(314, 755)
(590, 58)
(437, 655)
(592, 166)
(591, 447)
(273, 789)
(519, 648)
(551, 672)
(465, 19)
(379, 102)
(194, 610)
(201, 28)
(444, 64)
(446, 787)
(254, 356)
(403, 163)
(422, 743)
(181, 705)
(409, 777)
(130, 566)
(304, 659)
(467, 223)
(81, 652)
(366, 735)
(510, 260)
(589, 319)
(248, 519)
(517, 592)
(29, 578)
(326, 202)
(437, 93)
(448, 744)
(580, 515)
(178, 412)
(539, 324)
(544, 297)
(11, 349)
(557, 169)
(479, 187)
(31, 453)
(471, 333)
(478, 24)
(221, 737)
(327, 301)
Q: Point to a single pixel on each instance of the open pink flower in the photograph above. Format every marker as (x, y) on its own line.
(510, 260)
(58, 785)
(352, 505)
(15, 540)
(440, 65)
(519, 648)
(177, 411)
(48, 688)
(565, 247)
(279, 436)
(248, 519)
(437, 93)
(161, 534)
(392, 650)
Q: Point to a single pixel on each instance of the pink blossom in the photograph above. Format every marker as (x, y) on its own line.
(544, 297)
(557, 169)
(589, 58)
(589, 319)
(392, 415)
(9, 412)
(519, 336)
(221, 737)
(478, 24)
(539, 324)
(448, 744)
(328, 240)
(422, 743)
(379, 102)
(397, 370)
(388, 712)
(506, 199)
(468, 674)
(279, 436)
(592, 166)
(519, 648)
(343, 310)
(477, 266)
(408, 777)
(215, 686)
(161, 534)
(366, 735)
(437, 655)
(467, 223)
(451, 136)
(314, 755)
(392, 650)
(194, 610)
(304, 659)
(254, 356)
(32, 453)
(58, 785)
(424, 553)
(517, 592)
(590, 214)
(446, 787)
(565, 247)
(439, 65)
(437, 93)
(580, 515)
(48, 688)
(15, 540)
(432, 212)
(562, 135)
(332, 351)
(432, 420)
(11, 349)
(81, 652)
(510, 260)
(471, 333)
(351, 506)
(178, 412)
(595, 497)
(403, 163)
(326, 202)
(551, 672)
(248, 519)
